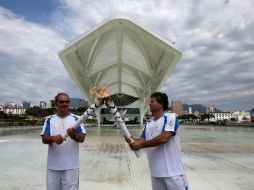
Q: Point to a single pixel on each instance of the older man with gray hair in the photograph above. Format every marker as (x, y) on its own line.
(63, 155)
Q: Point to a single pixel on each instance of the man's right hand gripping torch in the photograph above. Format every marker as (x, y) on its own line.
(121, 124)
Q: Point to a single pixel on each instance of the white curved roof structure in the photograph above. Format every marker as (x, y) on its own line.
(131, 60)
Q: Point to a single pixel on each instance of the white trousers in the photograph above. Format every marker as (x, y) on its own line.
(170, 183)
(63, 179)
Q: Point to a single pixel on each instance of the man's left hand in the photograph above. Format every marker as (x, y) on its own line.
(71, 132)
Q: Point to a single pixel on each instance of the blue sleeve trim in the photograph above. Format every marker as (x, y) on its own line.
(78, 129)
(143, 135)
(47, 128)
(176, 126)
(165, 122)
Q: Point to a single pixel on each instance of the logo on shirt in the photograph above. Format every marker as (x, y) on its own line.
(170, 123)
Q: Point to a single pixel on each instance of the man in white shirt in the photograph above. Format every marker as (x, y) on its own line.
(63, 156)
(160, 137)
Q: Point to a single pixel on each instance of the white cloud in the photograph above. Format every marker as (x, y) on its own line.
(30, 67)
(216, 39)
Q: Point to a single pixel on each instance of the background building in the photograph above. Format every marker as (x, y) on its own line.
(12, 108)
(252, 115)
(43, 104)
(221, 116)
(51, 103)
(243, 116)
(84, 103)
(238, 116)
(123, 56)
(26, 104)
(9, 104)
(177, 107)
(75, 103)
(211, 109)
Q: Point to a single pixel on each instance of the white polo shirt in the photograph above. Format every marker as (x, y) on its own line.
(164, 160)
(66, 155)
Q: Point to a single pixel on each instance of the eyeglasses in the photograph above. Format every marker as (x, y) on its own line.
(62, 101)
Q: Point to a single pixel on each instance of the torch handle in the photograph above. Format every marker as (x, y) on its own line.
(84, 116)
(120, 122)
(137, 152)
(76, 124)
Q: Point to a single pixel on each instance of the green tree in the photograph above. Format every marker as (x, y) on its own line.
(81, 110)
(245, 119)
(233, 119)
(206, 116)
(188, 116)
(50, 111)
(36, 112)
(39, 112)
(3, 115)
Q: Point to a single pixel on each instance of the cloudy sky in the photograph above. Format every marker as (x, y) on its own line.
(215, 37)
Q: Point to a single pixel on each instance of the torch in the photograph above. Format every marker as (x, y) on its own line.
(90, 111)
(121, 124)
(102, 97)
(92, 108)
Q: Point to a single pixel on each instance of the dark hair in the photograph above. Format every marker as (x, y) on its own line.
(162, 98)
(59, 94)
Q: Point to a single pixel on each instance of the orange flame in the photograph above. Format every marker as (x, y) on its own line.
(103, 92)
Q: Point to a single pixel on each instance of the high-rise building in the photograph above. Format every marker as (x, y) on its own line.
(211, 109)
(177, 107)
(84, 103)
(51, 103)
(26, 104)
(75, 103)
(1, 108)
(43, 104)
(190, 110)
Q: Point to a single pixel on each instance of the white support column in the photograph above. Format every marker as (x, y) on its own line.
(141, 119)
(143, 109)
(98, 115)
(142, 114)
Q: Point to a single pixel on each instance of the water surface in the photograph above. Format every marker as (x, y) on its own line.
(214, 157)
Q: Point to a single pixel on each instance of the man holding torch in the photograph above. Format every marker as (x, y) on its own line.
(63, 155)
(160, 137)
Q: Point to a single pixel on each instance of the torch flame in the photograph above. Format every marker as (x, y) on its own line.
(103, 92)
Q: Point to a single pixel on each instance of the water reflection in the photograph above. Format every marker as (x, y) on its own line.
(15, 130)
(217, 134)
